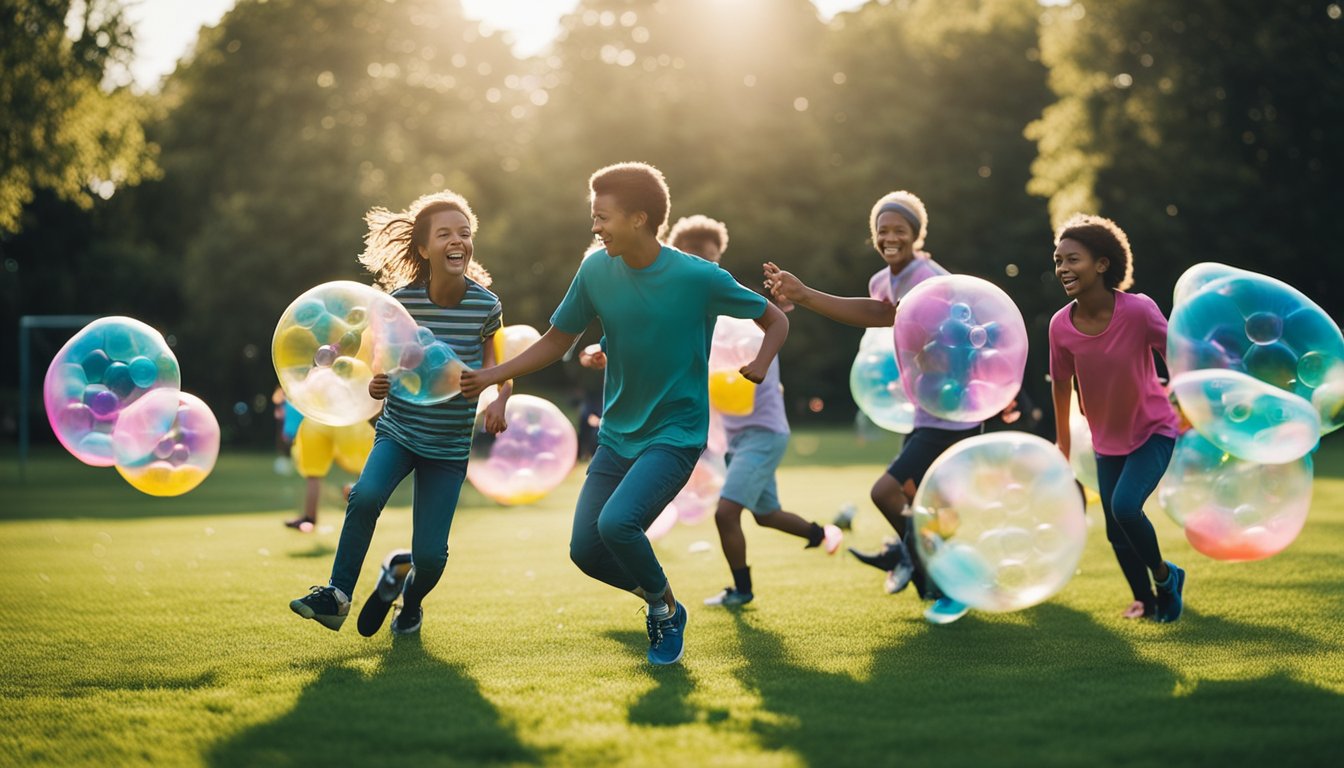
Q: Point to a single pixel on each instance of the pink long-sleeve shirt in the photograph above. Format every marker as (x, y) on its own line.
(1124, 402)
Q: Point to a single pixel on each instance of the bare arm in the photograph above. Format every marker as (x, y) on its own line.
(1062, 393)
(859, 311)
(548, 349)
(776, 327)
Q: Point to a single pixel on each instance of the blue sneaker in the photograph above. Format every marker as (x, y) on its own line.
(667, 637)
(1169, 603)
(730, 598)
(945, 610)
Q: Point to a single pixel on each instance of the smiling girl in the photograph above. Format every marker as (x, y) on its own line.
(423, 257)
(898, 224)
(1105, 338)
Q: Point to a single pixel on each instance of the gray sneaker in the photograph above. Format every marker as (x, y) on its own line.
(396, 566)
(730, 598)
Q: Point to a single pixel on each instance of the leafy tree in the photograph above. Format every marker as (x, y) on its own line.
(62, 131)
(1202, 128)
(287, 123)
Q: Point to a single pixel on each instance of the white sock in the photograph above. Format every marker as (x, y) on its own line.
(659, 609)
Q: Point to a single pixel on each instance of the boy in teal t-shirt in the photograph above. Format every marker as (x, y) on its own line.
(657, 306)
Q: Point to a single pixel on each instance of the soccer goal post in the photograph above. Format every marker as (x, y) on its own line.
(27, 325)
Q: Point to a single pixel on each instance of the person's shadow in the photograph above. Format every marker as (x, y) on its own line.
(414, 710)
(979, 693)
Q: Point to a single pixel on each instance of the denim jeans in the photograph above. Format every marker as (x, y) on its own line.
(1125, 483)
(619, 501)
(438, 483)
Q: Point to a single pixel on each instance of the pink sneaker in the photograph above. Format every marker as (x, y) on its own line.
(833, 538)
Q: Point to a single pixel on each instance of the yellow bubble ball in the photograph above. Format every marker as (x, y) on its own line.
(731, 394)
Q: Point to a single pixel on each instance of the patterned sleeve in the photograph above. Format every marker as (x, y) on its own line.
(493, 322)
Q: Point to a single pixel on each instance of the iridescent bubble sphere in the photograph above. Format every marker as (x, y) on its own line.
(528, 459)
(166, 442)
(104, 368)
(962, 347)
(875, 383)
(999, 521)
(1233, 509)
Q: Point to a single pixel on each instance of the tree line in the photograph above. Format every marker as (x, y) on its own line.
(1206, 129)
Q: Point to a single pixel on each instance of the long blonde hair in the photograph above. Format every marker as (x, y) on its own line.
(390, 245)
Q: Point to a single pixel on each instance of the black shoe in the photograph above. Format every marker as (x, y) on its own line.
(390, 583)
(892, 554)
(408, 622)
(305, 524)
(325, 605)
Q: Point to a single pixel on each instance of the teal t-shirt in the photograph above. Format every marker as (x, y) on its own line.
(658, 322)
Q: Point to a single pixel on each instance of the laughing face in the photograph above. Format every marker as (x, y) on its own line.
(1077, 270)
(448, 244)
(895, 240)
(617, 229)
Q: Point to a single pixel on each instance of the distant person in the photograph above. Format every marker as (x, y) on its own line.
(898, 224)
(658, 307)
(424, 257)
(315, 447)
(1105, 338)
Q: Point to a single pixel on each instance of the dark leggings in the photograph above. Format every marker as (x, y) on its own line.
(1125, 483)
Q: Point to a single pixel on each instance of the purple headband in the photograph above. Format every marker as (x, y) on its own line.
(904, 212)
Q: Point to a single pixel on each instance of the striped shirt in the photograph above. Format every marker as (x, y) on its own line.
(443, 430)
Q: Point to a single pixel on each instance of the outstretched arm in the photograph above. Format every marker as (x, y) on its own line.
(858, 311)
(548, 349)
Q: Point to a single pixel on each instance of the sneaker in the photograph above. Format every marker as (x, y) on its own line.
(886, 558)
(945, 610)
(894, 558)
(730, 598)
(408, 622)
(834, 536)
(667, 637)
(396, 566)
(304, 524)
(327, 606)
(1169, 602)
(845, 517)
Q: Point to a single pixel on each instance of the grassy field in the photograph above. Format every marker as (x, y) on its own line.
(156, 631)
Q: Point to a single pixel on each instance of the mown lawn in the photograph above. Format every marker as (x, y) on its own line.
(157, 631)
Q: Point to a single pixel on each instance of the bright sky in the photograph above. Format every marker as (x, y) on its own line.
(166, 29)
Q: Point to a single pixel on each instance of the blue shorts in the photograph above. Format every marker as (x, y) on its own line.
(921, 447)
(753, 456)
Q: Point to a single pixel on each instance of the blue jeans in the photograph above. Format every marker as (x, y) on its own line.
(619, 501)
(438, 483)
(1125, 483)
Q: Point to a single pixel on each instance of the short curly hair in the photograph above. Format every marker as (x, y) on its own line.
(392, 242)
(690, 230)
(636, 187)
(1104, 239)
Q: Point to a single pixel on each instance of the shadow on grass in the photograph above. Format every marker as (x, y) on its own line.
(414, 710)
(1060, 691)
(668, 702)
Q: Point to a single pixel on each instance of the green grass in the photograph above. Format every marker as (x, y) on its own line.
(136, 630)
